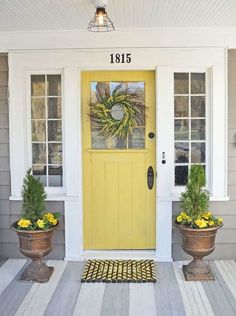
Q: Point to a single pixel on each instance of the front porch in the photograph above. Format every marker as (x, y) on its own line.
(65, 295)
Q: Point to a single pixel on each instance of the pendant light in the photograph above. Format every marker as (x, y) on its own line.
(101, 22)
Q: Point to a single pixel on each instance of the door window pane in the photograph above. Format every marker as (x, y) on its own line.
(117, 115)
(137, 138)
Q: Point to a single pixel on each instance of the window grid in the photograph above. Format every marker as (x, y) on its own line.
(46, 119)
(190, 118)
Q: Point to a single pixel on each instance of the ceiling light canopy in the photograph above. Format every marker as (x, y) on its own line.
(101, 22)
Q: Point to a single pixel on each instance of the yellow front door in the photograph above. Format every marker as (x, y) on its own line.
(118, 113)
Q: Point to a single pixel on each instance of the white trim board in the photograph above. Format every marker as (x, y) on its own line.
(70, 64)
(150, 37)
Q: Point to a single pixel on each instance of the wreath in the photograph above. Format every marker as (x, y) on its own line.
(107, 103)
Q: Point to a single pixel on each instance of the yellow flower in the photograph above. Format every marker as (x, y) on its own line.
(24, 223)
(50, 218)
(40, 223)
(206, 215)
(220, 220)
(201, 223)
(211, 223)
(179, 219)
(54, 222)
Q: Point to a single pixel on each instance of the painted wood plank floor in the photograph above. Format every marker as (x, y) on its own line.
(64, 295)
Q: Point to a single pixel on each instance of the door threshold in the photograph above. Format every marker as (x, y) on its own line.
(120, 254)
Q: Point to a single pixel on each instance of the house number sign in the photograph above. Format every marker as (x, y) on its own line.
(120, 58)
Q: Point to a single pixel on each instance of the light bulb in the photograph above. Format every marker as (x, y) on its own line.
(100, 18)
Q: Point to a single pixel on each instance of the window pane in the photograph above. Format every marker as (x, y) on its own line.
(40, 173)
(181, 152)
(54, 85)
(197, 106)
(109, 94)
(54, 108)
(55, 153)
(39, 154)
(181, 106)
(38, 85)
(39, 131)
(197, 83)
(198, 152)
(198, 129)
(181, 129)
(181, 175)
(55, 176)
(54, 131)
(137, 139)
(38, 108)
(117, 143)
(98, 141)
(181, 83)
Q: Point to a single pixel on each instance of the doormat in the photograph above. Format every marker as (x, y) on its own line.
(118, 271)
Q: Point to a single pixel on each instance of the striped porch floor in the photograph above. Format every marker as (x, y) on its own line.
(64, 295)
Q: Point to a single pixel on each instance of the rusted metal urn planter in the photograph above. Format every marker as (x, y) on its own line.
(198, 243)
(36, 245)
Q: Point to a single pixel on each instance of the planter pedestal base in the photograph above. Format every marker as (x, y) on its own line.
(37, 271)
(198, 270)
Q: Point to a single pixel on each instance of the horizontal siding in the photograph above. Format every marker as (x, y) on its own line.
(226, 237)
(10, 211)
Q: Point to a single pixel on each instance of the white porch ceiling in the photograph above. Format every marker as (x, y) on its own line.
(29, 15)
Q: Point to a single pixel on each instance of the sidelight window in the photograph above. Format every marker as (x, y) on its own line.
(46, 129)
(189, 123)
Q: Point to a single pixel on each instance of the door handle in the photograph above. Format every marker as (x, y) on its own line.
(150, 177)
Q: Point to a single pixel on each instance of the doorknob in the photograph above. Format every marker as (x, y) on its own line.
(150, 177)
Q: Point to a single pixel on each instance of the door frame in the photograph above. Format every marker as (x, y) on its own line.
(163, 209)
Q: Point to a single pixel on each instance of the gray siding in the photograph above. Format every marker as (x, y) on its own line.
(9, 211)
(226, 237)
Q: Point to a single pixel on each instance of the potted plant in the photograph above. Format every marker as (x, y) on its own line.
(197, 225)
(35, 229)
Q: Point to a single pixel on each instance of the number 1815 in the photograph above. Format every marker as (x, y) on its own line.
(120, 58)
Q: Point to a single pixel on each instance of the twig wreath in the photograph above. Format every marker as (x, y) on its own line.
(116, 113)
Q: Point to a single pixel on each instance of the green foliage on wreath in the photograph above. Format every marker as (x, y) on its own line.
(105, 124)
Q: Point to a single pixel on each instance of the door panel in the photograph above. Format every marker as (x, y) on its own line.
(119, 209)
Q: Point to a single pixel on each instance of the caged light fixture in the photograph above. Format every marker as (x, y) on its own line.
(101, 22)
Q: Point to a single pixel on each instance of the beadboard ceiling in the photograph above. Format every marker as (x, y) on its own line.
(28, 15)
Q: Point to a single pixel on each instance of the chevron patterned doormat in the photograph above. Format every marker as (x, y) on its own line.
(118, 271)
